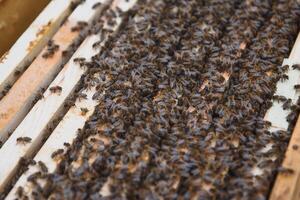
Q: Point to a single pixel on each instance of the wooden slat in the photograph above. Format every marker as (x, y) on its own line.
(64, 132)
(45, 110)
(32, 40)
(287, 185)
(276, 115)
(16, 104)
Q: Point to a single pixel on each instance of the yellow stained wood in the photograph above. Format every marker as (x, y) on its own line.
(15, 105)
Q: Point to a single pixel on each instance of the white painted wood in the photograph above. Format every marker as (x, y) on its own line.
(286, 88)
(276, 115)
(32, 40)
(85, 11)
(18, 101)
(46, 109)
(64, 132)
(295, 53)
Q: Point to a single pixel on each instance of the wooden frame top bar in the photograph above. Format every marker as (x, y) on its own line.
(287, 185)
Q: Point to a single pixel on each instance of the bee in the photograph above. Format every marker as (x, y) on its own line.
(284, 77)
(17, 73)
(26, 161)
(20, 192)
(33, 177)
(66, 144)
(93, 139)
(43, 167)
(56, 89)
(65, 53)
(111, 22)
(111, 13)
(84, 111)
(50, 43)
(81, 96)
(80, 26)
(79, 60)
(96, 5)
(69, 103)
(297, 86)
(284, 170)
(39, 96)
(295, 147)
(292, 116)
(73, 5)
(280, 98)
(98, 43)
(296, 67)
(295, 108)
(56, 153)
(82, 23)
(5, 90)
(51, 49)
(119, 11)
(287, 104)
(24, 140)
(284, 68)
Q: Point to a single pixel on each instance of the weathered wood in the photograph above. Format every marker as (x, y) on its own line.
(45, 110)
(32, 41)
(16, 104)
(287, 185)
(276, 114)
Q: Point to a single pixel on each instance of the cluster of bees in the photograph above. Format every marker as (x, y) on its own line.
(183, 89)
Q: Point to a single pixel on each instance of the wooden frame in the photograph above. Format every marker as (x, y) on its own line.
(45, 110)
(18, 101)
(48, 108)
(15, 17)
(32, 41)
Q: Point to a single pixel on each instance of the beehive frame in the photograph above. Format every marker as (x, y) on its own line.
(50, 106)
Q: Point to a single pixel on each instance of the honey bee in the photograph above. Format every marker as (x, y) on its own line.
(24, 140)
(84, 111)
(56, 153)
(43, 167)
(55, 89)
